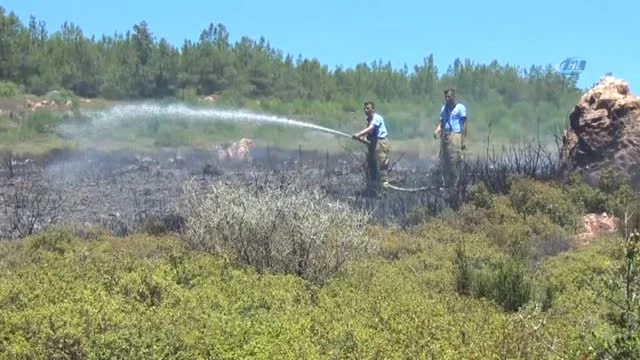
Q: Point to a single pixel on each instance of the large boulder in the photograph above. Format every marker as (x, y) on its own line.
(604, 132)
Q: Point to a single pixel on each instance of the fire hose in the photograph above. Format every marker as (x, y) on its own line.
(394, 187)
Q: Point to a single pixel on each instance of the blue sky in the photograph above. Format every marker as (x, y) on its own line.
(347, 32)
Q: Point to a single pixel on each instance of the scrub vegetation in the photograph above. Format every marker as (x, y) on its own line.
(281, 267)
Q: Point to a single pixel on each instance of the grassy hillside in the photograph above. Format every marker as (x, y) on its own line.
(26, 130)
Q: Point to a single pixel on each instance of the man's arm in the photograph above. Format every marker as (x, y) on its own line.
(365, 131)
(375, 121)
(464, 126)
(438, 130)
(463, 118)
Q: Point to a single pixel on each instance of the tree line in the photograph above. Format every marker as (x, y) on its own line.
(139, 64)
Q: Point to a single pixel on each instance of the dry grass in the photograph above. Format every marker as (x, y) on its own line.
(276, 228)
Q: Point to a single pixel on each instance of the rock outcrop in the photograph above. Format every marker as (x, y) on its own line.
(37, 104)
(596, 225)
(604, 132)
(237, 150)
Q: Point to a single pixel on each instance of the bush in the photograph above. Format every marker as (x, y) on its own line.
(509, 285)
(283, 229)
(43, 121)
(8, 89)
(530, 197)
(61, 96)
(593, 199)
(503, 281)
(530, 237)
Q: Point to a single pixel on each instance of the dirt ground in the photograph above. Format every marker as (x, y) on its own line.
(120, 190)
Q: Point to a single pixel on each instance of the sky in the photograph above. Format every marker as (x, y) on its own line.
(348, 32)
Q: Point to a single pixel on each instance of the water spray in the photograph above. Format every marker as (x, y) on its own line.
(120, 113)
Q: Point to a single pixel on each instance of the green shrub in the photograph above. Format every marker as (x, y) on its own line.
(594, 200)
(511, 237)
(418, 216)
(144, 296)
(56, 240)
(481, 197)
(502, 211)
(43, 121)
(624, 203)
(9, 89)
(504, 281)
(530, 197)
(189, 95)
(611, 181)
(61, 96)
(529, 237)
(510, 286)
(463, 272)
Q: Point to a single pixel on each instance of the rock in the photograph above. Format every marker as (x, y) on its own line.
(35, 104)
(237, 150)
(241, 150)
(604, 132)
(594, 225)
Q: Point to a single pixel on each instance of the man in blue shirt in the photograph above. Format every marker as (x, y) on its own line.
(452, 130)
(379, 146)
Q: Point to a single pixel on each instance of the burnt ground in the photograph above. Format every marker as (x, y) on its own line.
(120, 190)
